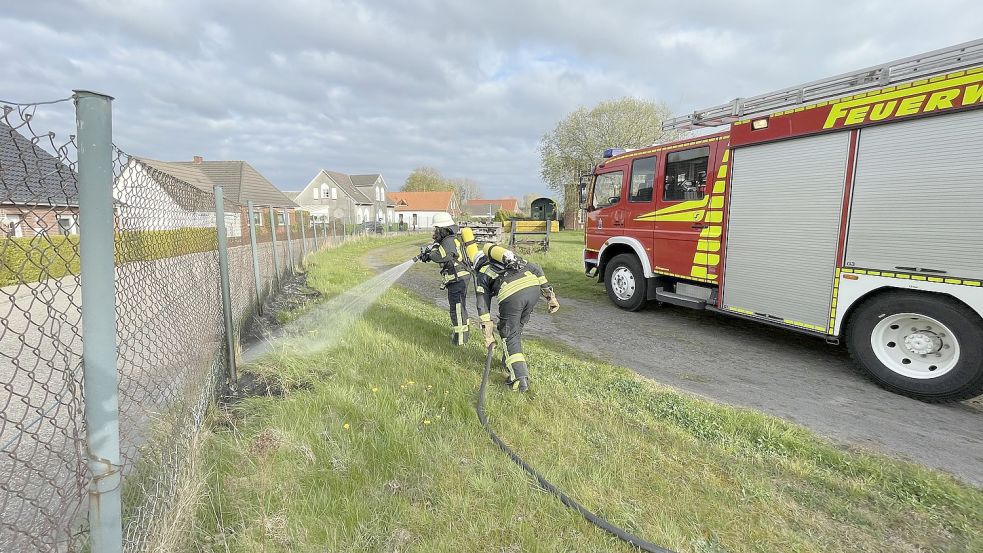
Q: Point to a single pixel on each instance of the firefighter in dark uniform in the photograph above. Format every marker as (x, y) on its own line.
(518, 285)
(447, 252)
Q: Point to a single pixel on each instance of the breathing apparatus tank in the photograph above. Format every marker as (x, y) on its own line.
(502, 256)
(470, 245)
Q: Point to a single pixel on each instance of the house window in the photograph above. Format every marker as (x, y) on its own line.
(12, 225)
(334, 193)
(258, 218)
(316, 191)
(325, 191)
(280, 221)
(66, 225)
(686, 175)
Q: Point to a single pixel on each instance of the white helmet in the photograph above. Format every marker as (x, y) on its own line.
(443, 219)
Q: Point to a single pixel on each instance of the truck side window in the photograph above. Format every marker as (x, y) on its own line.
(607, 187)
(642, 179)
(686, 175)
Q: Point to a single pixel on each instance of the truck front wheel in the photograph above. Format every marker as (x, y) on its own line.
(625, 282)
(924, 346)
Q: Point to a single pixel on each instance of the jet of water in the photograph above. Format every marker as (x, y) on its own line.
(325, 324)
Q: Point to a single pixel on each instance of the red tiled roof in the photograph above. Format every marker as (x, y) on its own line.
(422, 201)
(508, 204)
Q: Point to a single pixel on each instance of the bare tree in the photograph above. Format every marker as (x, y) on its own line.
(465, 190)
(577, 142)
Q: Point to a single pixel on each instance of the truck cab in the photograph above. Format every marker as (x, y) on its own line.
(654, 221)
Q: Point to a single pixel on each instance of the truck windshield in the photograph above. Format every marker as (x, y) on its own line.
(607, 189)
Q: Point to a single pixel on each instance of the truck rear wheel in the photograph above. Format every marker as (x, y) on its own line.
(625, 282)
(923, 346)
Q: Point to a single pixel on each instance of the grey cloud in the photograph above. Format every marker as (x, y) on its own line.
(293, 86)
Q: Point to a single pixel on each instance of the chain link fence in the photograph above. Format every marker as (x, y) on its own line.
(171, 352)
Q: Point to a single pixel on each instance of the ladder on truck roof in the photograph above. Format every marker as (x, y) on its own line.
(922, 65)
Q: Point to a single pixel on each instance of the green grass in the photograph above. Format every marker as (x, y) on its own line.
(376, 447)
(564, 266)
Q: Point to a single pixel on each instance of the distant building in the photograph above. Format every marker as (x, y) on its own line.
(491, 207)
(38, 193)
(415, 210)
(354, 199)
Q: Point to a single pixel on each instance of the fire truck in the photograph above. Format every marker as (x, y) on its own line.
(849, 208)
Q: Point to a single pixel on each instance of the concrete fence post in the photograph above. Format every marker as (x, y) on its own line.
(314, 230)
(94, 120)
(223, 271)
(252, 244)
(276, 258)
(303, 235)
(290, 248)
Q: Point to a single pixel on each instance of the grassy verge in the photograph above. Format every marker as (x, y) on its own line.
(376, 447)
(564, 266)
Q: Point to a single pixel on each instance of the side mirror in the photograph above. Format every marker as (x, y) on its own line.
(613, 200)
(582, 191)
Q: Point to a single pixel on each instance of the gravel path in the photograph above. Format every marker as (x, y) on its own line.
(788, 375)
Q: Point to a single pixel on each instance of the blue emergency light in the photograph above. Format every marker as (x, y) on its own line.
(611, 152)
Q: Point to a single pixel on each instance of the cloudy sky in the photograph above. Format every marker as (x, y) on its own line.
(292, 86)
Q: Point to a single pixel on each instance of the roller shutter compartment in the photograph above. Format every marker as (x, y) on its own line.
(782, 228)
(918, 196)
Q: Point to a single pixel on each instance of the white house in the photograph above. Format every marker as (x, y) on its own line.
(415, 210)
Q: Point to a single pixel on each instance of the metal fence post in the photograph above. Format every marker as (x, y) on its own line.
(252, 244)
(94, 118)
(276, 261)
(290, 247)
(223, 270)
(314, 230)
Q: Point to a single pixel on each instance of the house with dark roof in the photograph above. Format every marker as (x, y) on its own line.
(415, 210)
(38, 192)
(183, 190)
(351, 199)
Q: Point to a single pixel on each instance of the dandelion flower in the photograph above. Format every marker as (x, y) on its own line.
(346, 426)
(426, 421)
(374, 390)
(412, 383)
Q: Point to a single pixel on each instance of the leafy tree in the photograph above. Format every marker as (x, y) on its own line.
(426, 179)
(577, 142)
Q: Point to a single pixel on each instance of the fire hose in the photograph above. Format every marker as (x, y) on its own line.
(544, 483)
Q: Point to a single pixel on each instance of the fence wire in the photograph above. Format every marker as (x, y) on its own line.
(170, 333)
(42, 471)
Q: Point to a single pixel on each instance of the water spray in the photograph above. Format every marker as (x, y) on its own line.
(326, 323)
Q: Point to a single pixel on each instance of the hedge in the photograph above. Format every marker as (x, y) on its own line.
(24, 260)
(147, 245)
(37, 258)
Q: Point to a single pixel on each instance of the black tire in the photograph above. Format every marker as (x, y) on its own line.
(963, 381)
(628, 261)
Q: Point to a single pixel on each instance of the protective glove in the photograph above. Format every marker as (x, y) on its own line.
(488, 330)
(552, 305)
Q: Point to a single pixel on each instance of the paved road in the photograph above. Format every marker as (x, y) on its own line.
(788, 375)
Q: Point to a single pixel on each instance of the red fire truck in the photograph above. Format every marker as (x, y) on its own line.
(849, 208)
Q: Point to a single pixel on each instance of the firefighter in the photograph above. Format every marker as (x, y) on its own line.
(446, 251)
(518, 285)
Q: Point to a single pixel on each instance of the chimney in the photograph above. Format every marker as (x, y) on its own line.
(197, 160)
